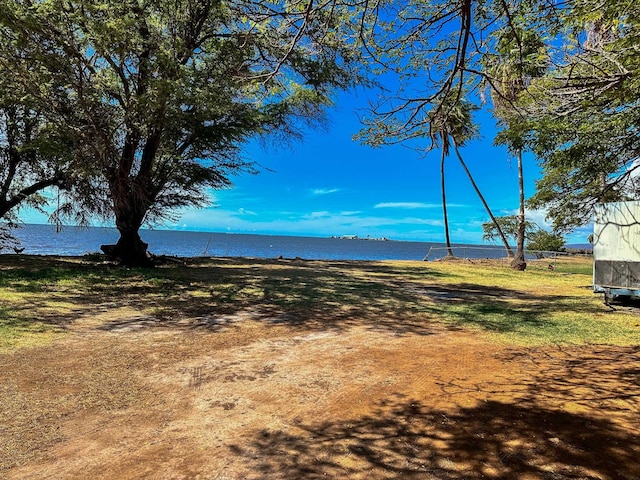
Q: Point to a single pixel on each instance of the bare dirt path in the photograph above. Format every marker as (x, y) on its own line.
(253, 400)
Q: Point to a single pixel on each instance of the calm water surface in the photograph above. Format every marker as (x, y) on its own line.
(44, 240)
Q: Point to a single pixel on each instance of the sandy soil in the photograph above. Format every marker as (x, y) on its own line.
(246, 398)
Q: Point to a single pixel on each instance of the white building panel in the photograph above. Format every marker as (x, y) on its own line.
(616, 235)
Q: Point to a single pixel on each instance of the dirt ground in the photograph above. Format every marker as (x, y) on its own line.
(249, 399)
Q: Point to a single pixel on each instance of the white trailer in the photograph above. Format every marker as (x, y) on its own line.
(616, 249)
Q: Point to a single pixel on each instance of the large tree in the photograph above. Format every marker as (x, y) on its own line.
(162, 95)
(586, 113)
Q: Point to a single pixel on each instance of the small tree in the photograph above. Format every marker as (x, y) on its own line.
(542, 240)
(536, 237)
(510, 226)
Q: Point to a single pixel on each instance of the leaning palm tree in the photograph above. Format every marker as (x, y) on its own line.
(451, 124)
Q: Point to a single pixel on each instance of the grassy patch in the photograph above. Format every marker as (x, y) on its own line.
(18, 331)
(40, 297)
(538, 306)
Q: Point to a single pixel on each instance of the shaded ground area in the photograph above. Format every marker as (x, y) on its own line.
(565, 422)
(250, 370)
(311, 295)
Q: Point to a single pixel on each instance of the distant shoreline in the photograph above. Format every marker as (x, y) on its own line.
(356, 237)
(78, 241)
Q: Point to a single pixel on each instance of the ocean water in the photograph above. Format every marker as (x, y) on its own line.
(76, 241)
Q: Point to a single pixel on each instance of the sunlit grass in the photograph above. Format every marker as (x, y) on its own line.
(541, 326)
(29, 317)
(20, 330)
(539, 306)
(40, 297)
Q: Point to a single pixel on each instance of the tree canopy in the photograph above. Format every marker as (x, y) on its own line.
(143, 106)
(33, 156)
(162, 95)
(584, 114)
(563, 77)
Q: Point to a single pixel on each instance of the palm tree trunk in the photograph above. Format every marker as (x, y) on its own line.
(519, 262)
(444, 205)
(484, 202)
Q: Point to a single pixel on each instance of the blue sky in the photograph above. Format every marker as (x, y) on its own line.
(327, 184)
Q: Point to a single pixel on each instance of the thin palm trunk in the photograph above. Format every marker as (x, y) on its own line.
(444, 204)
(519, 262)
(484, 202)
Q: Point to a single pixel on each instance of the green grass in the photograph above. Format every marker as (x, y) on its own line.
(17, 331)
(538, 306)
(40, 297)
(564, 264)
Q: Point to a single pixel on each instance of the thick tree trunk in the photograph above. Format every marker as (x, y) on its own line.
(130, 207)
(484, 202)
(519, 262)
(130, 250)
(444, 206)
(132, 194)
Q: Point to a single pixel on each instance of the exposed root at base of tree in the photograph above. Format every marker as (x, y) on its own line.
(518, 264)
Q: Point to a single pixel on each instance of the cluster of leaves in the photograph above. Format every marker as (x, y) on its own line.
(537, 238)
(585, 113)
(158, 97)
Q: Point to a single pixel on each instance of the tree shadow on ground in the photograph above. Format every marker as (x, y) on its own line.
(308, 295)
(305, 294)
(497, 309)
(541, 434)
(492, 440)
(591, 377)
